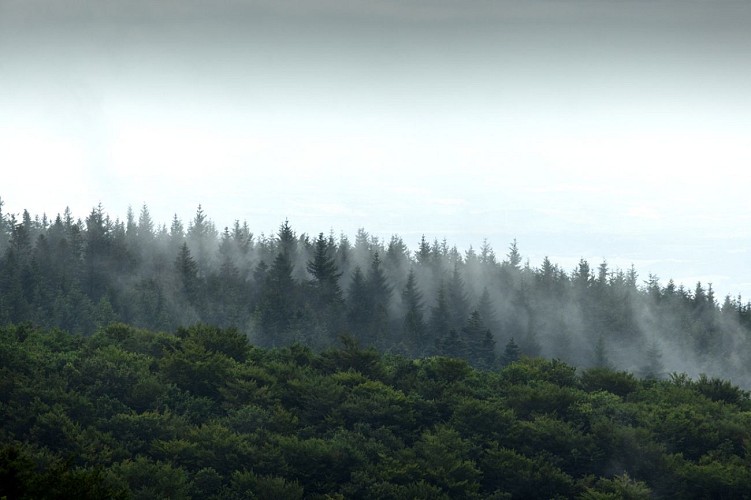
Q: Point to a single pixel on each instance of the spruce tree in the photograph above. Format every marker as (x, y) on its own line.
(511, 352)
(278, 303)
(457, 299)
(324, 271)
(473, 334)
(514, 258)
(359, 306)
(414, 325)
(187, 274)
(379, 292)
(440, 320)
(327, 298)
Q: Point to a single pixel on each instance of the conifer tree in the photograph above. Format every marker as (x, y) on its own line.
(473, 334)
(327, 298)
(440, 320)
(423, 252)
(453, 346)
(487, 358)
(379, 292)
(187, 273)
(358, 305)
(600, 353)
(145, 225)
(514, 258)
(511, 352)
(279, 301)
(97, 253)
(324, 271)
(414, 325)
(487, 310)
(457, 299)
(201, 237)
(652, 367)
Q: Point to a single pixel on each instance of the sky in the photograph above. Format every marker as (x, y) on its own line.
(604, 130)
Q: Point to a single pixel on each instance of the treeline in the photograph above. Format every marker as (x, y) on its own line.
(81, 275)
(130, 413)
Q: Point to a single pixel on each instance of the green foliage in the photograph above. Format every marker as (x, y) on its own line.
(604, 379)
(129, 413)
(529, 369)
(620, 487)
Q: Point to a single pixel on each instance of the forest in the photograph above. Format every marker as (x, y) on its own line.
(202, 413)
(140, 360)
(284, 288)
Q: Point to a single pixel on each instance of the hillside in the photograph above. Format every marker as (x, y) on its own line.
(81, 275)
(201, 413)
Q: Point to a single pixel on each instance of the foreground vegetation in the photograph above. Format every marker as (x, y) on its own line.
(131, 413)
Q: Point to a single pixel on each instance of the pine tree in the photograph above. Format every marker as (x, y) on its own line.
(176, 234)
(187, 274)
(397, 261)
(414, 325)
(423, 252)
(145, 225)
(324, 271)
(487, 255)
(379, 292)
(473, 334)
(358, 305)
(511, 352)
(513, 257)
(600, 354)
(98, 253)
(440, 320)
(201, 237)
(652, 367)
(279, 302)
(487, 310)
(453, 346)
(327, 298)
(487, 358)
(457, 300)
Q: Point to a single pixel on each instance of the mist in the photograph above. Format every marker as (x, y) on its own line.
(82, 274)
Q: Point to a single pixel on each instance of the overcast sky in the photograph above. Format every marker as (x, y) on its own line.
(615, 130)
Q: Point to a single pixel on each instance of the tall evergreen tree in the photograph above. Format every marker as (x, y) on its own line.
(327, 298)
(379, 291)
(486, 308)
(279, 302)
(145, 225)
(325, 272)
(514, 258)
(201, 237)
(187, 275)
(473, 334)
(414, 325)
(422, 254)
(440, 318)
(457, 300)
(359, 305)
(511, 352)
(97, 257)
(453, 346)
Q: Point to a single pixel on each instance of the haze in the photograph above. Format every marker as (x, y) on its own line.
(603, 130)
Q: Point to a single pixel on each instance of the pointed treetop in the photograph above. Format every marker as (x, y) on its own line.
(514, 257)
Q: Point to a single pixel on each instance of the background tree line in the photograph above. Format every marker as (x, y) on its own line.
(81, 275)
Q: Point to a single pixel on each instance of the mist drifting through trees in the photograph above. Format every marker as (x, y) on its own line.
(483, 305)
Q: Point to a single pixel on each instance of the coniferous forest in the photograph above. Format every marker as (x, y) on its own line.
(147, 360)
